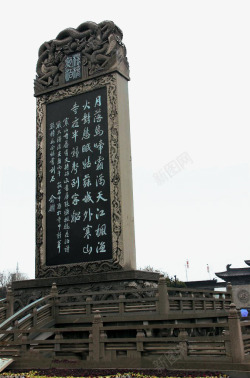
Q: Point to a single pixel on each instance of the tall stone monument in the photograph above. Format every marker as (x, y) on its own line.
(84, 196)
(84, 202)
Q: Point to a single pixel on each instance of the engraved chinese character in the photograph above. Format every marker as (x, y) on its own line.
(87, 198)
(87, 105)
(66, 122)
(98, 101)
(99, 163)
(74, 168)
(66, 165)
(99, 146)
(87, 230)
(100, 197)
(85, 134)
(86, 163)
(75, 182)
(75, 123)
(75, 152)
(66, 212)
(97, 116)
(75, 134)
(101, 230)
(52, 208)
(86, 181)
(75, 216)
(75, 199)
(86, 118)
(58, 125)
(87, 214)
(100, 180)
(98, 131)
(66, 144)
(66, 249)
(87, 249)
(100, 213)
(101, 248)
(52, 199)
(75, 108)
(86, 148)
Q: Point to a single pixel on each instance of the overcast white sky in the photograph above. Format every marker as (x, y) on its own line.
(189, 94)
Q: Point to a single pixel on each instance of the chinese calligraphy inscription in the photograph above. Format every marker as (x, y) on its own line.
(78, 209)
(73, 66)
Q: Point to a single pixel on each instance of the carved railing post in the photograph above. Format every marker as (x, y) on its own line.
(34, 317)
(54, 294)
(97, 324)
(103, 337)
(88, 305)
(15, 336)
(10, 302)
(236, 340)
(225, 333)
(183, 347)
(24, 345)
(139, 341)
(163, 296)
(91, 357)
(230, 290)
(53, 290)
(58, 337)
(121, 303)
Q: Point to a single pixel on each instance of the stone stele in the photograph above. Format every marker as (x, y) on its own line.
(101, 62)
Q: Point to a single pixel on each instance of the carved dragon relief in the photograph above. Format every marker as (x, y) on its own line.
(92, 267)
(100, 46)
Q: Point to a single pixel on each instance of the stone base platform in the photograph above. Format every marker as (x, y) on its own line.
(28, 291)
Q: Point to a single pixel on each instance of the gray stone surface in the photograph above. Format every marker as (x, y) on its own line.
(30, 290)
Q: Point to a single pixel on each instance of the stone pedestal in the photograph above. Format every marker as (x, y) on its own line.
(28, 291)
